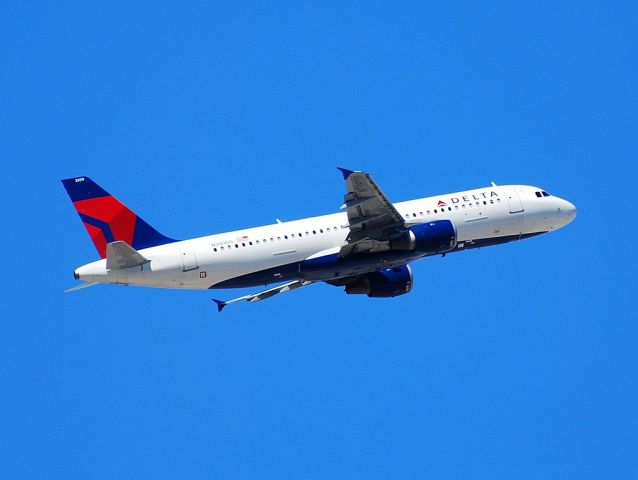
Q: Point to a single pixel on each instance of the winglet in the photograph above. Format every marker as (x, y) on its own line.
(220, 304)
(346, 172)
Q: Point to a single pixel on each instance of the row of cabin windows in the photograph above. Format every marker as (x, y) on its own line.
(273, 239)
(328, 229)
(449, 209)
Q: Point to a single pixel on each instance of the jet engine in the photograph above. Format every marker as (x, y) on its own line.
(431, 237)
(391, 282)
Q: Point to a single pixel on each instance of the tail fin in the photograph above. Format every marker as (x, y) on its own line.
(107, 220)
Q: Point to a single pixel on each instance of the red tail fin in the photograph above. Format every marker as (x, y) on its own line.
(106, 219)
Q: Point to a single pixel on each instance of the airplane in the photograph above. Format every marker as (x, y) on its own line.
(367, 248)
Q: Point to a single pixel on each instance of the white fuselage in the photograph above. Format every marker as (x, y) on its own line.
(485, 214)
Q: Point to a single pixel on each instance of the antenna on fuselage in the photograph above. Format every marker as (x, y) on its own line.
(494, 185)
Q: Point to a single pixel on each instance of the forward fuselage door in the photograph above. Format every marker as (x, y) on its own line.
(514, 201)
(189, 260)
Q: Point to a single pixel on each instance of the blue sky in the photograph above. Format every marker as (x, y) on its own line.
(516, 361)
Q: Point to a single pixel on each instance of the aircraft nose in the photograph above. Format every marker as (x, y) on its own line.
(568, 209)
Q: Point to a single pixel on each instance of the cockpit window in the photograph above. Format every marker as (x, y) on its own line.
(545, 194)
(538, 194)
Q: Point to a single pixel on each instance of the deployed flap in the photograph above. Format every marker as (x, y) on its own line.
(370, 214)
(121, 255)
(255, 297)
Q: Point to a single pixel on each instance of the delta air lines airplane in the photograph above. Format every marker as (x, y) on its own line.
(367, 248)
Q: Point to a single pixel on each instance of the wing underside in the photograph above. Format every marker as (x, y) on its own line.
(263, 295)
(371, 216)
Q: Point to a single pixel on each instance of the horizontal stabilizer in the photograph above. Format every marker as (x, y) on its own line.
(121, 255)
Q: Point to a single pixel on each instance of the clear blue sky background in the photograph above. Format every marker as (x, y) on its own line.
(517, 361)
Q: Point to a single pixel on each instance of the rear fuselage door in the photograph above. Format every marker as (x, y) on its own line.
(189, 260)
(513, 200)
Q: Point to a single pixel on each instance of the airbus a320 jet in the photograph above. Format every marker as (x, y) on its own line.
(367, 248)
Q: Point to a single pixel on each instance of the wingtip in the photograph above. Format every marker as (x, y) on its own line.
(220, 304)
(346, 173)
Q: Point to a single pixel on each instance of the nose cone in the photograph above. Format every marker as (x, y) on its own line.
(567, 211)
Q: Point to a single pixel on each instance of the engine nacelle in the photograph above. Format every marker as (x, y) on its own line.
(432, 237)
(391, 282)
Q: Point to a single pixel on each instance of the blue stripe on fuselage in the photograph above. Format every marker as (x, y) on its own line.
(324, 268)
(330, 267)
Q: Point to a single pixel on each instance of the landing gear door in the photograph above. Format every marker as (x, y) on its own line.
(514, 201)
(189, 260)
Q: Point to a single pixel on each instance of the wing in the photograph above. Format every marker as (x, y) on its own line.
(255, 297)
(81, 286)
(371, 216)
